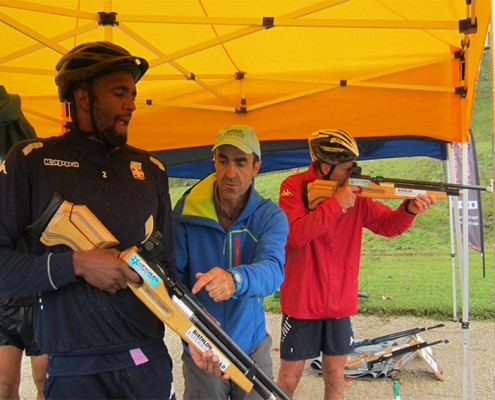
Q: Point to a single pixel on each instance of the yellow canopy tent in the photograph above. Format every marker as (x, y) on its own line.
(379, 68)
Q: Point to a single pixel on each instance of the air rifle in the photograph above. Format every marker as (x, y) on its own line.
(383, 188)
(370, 359)
(78, 228)
(396, 335)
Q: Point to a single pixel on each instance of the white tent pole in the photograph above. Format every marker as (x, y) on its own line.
(468, 376)
(468, 383)
(448, 174)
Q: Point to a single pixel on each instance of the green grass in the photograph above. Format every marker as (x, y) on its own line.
(418, 284)
(415, 269)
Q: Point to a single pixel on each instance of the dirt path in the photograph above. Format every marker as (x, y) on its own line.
(417, 379)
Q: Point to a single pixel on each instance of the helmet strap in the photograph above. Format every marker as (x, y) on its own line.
(91, 100)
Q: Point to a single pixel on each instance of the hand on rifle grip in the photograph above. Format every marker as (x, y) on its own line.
(102, 268)
(346, 196)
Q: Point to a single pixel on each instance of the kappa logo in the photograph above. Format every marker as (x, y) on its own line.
(286, 192)
(50, 162)
(3, 168)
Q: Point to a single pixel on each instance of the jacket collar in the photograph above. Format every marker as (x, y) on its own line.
(199, 200)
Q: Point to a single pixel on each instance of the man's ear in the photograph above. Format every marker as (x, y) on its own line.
(81, 99)
(257, 166)
(325, 168)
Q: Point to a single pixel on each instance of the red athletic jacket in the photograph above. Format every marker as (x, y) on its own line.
(323, 249)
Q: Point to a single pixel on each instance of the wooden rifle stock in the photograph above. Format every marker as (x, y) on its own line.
(78, 228)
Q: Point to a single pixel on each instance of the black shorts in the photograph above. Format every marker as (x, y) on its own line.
(303, 339)
(16, 329)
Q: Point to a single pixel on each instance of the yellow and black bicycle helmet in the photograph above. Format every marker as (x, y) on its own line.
(90, 60)
(332, 146)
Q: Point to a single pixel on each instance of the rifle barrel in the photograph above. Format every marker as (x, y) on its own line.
(396, 335)
(450, 188)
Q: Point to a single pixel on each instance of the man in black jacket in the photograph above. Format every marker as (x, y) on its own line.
(102, 341)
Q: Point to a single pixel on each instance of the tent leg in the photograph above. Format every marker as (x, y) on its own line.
(450, 178)
(467, 372)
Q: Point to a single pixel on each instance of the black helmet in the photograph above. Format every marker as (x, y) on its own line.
(90, 60)
(332, 146)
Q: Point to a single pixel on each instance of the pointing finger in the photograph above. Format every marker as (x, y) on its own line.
(202, 281)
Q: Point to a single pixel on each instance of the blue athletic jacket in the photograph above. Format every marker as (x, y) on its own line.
(254, 245)
(123, 188)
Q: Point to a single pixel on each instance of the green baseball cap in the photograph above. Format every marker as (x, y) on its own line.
(241, 136)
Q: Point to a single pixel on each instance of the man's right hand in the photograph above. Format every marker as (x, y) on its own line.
(346, 196)
(102, 268)
(217, 282)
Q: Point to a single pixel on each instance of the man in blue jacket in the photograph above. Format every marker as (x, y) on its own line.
(230, 253)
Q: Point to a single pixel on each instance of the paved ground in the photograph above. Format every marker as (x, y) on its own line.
(417, 379)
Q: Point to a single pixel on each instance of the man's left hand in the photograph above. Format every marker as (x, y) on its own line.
(420, 204)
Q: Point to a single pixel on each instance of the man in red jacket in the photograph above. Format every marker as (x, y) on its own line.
(319, 292)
